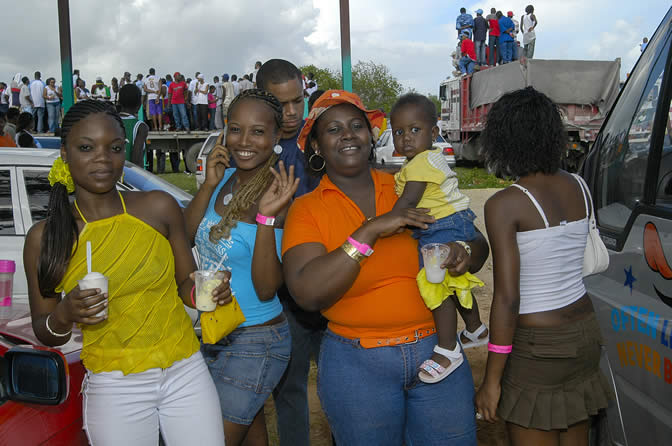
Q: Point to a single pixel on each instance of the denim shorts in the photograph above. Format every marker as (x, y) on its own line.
(246, 366)
(457, 226)
(372, 396)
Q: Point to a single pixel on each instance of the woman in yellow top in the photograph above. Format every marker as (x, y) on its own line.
(426, 181)
(144, 368)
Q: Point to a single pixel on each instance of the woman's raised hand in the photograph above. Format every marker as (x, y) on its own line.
(81, 307)
(278, 196)
(217, 162)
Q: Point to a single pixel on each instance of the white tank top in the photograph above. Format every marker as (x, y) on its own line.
(527, 23)
(551, 262)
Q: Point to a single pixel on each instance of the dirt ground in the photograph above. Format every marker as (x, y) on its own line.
(488, 434)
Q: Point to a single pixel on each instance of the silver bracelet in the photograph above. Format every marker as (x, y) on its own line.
(465, 246)
(53, 333)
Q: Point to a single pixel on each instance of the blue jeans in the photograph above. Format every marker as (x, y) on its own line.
(479, 45)
(291, 395)
(457, 226)
(4, 108)
(211, 119)
(38, 115)
(466, 64)
(374, 397)
(194, 115)
(180, 116)
(53, 111)
(507, 49)
(493, 44)
(246, 366)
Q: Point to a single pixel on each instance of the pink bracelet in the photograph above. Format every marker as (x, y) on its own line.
(264, 220)
(363, 248)
(499, 348)
(192, 295)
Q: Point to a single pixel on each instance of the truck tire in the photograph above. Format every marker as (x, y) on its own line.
(192, 155)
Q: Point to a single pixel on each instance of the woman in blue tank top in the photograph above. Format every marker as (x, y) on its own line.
(237, 216)
(542, 375)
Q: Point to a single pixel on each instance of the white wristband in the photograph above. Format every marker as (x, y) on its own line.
(53, 333)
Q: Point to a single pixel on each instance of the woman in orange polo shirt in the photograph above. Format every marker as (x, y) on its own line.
(346, 254)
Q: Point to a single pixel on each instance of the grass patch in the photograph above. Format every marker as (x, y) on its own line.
(185, 182)
(478, 178)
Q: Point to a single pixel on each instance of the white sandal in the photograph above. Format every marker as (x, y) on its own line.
(473, 337)
(438, 371)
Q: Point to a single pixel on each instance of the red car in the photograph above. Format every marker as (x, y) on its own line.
(40, 398)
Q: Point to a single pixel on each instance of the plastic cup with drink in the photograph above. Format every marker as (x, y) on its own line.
(94, 280)
(434, 254)
(206, 282)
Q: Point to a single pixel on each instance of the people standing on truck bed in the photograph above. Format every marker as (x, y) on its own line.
(529, 24)
(177, 94)
(493, 37)
(151, 89)
(464, 22)
(480, 32)
(201, 92)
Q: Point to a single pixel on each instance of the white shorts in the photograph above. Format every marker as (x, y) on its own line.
(129, 410)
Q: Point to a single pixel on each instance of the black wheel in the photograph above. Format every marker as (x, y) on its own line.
(192, 155)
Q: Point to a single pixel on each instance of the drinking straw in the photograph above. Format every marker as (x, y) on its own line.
(88, 256)
(220, 263)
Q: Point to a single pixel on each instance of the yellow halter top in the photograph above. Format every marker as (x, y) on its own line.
(147, 326)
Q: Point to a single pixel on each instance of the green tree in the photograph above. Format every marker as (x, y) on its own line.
(437, 103)
(326, 79)
(374, 83)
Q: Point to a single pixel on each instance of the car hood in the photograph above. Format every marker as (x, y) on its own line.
(16, 329)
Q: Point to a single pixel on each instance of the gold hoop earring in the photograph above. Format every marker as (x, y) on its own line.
(310, 162)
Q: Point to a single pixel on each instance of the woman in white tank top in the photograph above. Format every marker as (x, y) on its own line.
(542, 374)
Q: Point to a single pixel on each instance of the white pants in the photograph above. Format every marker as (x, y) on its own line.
(129, 410)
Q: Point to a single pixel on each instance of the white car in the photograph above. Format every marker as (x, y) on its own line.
(387, 156)
(24, 200)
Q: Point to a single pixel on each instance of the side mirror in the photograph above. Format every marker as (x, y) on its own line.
(36, 375)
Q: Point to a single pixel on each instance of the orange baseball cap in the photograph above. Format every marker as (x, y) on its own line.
(336, 97)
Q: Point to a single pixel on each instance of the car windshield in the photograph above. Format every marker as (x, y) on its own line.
(141, 179)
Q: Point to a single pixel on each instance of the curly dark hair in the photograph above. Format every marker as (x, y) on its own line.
(425, 105)
(524, 134)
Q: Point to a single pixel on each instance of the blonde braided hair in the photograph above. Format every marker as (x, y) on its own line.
(251, 191)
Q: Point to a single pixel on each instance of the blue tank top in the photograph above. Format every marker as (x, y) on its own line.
(237, 251)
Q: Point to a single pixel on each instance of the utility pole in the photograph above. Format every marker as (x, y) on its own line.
(346, 61)
(66, 53)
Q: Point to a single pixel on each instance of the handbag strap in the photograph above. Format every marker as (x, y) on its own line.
(586, 198)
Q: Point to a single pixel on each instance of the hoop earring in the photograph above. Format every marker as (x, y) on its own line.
(310, 162)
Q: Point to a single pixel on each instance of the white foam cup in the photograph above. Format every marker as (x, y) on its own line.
(95, 280)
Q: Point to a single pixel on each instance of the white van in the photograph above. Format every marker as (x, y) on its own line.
(629, 170)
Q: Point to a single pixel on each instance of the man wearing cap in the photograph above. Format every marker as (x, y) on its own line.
(284, 80)
(480, 32)
(464, 22)
(468, 59)
(506, 28)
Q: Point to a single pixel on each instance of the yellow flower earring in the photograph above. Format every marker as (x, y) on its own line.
(60, 173)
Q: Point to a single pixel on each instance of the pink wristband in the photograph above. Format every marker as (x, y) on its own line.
(499, 348)
(264, 220)
(363, 248)
(192, 295)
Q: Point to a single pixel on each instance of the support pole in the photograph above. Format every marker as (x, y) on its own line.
(66, 53)
(346, 61)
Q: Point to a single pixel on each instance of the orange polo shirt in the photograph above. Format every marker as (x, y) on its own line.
(384, 301)
(7, 141)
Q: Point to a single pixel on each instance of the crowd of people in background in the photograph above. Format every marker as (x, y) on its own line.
(501, 34)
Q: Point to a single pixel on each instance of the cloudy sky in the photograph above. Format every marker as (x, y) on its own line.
(414, 39)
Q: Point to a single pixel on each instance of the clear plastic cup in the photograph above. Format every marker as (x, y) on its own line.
(206, 282)
(434, 254)
(7, 270)
(95, 280)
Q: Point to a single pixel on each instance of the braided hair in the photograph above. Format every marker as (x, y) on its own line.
(60, 231)
(249, 192)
